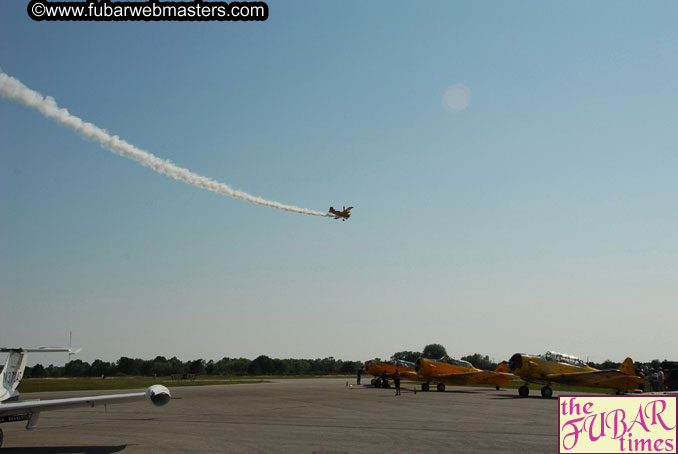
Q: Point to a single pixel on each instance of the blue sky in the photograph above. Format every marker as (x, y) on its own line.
(541, 216)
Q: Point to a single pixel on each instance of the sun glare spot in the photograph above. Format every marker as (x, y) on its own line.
(457, 98)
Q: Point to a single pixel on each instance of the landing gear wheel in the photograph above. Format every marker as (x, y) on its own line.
(497, 387)
(524, 391)
(377, 383)
(372, 382)
(441, 387)
(424, 387)
(546, 392)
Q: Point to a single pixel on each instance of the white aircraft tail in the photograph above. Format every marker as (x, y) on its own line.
(13, 371)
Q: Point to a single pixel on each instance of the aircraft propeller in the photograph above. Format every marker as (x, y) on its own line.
(516, 362)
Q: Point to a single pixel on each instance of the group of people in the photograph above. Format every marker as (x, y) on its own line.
(657, 380)
(384, 379)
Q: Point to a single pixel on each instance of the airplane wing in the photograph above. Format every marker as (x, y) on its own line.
(30, 409)
(69, 350)
(585, 378)
(407, 375)
(483, 376)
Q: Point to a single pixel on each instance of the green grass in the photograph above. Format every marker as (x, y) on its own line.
(285, 377)
(33, 385)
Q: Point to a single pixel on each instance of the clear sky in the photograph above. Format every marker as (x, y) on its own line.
(533, 207)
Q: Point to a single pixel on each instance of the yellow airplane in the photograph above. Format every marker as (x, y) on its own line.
(567, 370)
(377, 368)
(457, 372)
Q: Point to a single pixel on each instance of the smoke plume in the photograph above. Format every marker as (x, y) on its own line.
(14, 90)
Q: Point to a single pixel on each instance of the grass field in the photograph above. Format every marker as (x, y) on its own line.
(33, 385)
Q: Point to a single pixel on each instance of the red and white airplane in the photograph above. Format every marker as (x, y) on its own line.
(12, 409)
(343, 215)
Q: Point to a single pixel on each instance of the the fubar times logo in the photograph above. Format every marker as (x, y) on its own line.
(617, 424)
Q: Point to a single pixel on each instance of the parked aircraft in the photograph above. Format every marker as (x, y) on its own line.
(343, 215)
(376, 368)
(568, 370)
(457, 372)
(12, 409)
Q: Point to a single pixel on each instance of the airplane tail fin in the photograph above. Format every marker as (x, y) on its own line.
(13, 371)
(503, 367)
(627, 367)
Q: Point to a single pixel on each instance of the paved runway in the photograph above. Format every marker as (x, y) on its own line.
(320, 416)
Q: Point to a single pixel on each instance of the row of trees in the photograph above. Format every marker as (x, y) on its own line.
(262, 365)
(161, 366)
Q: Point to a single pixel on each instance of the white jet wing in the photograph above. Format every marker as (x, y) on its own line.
(157, 394)
(69, 350)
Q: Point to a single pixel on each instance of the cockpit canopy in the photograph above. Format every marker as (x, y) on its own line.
(563, 358)
(397, 362)
(401, 363)
(458, 362)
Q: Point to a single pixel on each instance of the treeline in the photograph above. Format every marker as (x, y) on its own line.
(262, 365)
(161, 366)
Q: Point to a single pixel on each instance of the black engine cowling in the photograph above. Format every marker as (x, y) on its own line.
(516, 362)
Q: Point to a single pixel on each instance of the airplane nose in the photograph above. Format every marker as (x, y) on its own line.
(516, 362)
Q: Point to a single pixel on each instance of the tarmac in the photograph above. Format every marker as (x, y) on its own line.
(315, 416)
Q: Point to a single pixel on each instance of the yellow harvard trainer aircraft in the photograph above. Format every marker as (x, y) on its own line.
(567, 370)
(376, 368)
(457, 372)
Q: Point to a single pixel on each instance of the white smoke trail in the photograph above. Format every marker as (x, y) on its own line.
(13, 89)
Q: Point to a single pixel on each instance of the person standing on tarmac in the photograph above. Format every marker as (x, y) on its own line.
(396, 381)
(660, 380)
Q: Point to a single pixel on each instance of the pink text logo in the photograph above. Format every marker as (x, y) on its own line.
(617, 424)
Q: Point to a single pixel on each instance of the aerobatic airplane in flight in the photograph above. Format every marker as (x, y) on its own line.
(567, 370)
(12, 409)
(343, 215)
